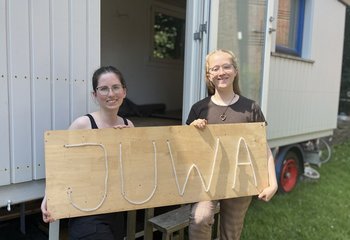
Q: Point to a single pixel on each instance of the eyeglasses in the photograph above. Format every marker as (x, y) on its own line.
(226, 68)
(104, 90)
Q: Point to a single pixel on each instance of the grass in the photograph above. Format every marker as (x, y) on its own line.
(317, 209)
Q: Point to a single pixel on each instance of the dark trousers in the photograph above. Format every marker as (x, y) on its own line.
(97, 227)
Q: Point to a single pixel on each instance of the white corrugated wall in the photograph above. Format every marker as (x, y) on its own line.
(48, 52)
(303, 95)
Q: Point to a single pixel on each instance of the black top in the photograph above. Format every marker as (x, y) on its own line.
(242, 111)
(94, 125)
(108, 226)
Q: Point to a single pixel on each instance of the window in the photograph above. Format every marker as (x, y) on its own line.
(290, 26)
(168, 35)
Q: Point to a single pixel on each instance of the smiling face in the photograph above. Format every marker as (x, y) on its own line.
(110, 92)
(221, 71)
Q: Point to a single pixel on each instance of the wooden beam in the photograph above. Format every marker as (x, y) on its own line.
(148, 167)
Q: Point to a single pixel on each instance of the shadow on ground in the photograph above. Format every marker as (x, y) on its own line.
(10, 229)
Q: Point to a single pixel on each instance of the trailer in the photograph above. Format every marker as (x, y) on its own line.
(290, 63)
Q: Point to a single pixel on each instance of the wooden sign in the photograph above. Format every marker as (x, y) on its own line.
(110, 170)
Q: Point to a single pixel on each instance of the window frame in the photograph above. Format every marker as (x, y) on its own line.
(297, 51)
(172, 11)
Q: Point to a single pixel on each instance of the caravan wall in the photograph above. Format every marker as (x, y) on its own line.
(303, 92)
(48, 51)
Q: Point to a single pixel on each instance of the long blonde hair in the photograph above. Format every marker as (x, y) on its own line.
(210, 85)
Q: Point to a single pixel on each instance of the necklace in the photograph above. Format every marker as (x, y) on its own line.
(223, 115)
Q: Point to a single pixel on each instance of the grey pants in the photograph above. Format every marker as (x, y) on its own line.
(232, 213)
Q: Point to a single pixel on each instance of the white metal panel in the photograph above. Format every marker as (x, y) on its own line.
(20, 90)
(329, 52)
(41, 81)
(197, 13)
(78, 38)
(60, 63)
(93, 46)
(297, 105)
(269, 36)
(284, 106)
(36, 54)
(303, 95)
(4, 126)
(22, 192)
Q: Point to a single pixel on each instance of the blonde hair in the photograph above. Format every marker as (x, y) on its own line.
(234, 60)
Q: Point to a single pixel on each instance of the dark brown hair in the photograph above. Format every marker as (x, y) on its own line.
(106, 69)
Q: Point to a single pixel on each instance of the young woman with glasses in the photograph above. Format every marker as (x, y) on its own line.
(109, 91)
(225, 105)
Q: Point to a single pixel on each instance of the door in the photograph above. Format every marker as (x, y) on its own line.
(243, 27)
(196, 48)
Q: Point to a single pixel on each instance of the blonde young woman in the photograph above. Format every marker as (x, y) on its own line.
(109, 91)
(225, 105)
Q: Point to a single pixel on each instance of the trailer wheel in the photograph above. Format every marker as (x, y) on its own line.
(289, 172)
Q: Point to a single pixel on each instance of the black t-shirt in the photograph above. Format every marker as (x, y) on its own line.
(242, 111)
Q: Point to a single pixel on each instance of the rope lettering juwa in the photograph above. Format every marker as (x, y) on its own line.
(122, 177)
(69, 192)
(180, 191)
(193, 166)
(243, 163)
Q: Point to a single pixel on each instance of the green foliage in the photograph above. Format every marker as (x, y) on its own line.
(316, 209)
(168, 39)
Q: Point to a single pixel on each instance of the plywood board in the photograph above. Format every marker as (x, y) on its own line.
(152, 167)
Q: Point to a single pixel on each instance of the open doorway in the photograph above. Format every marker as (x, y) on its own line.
(344, 101)
(145, 40)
